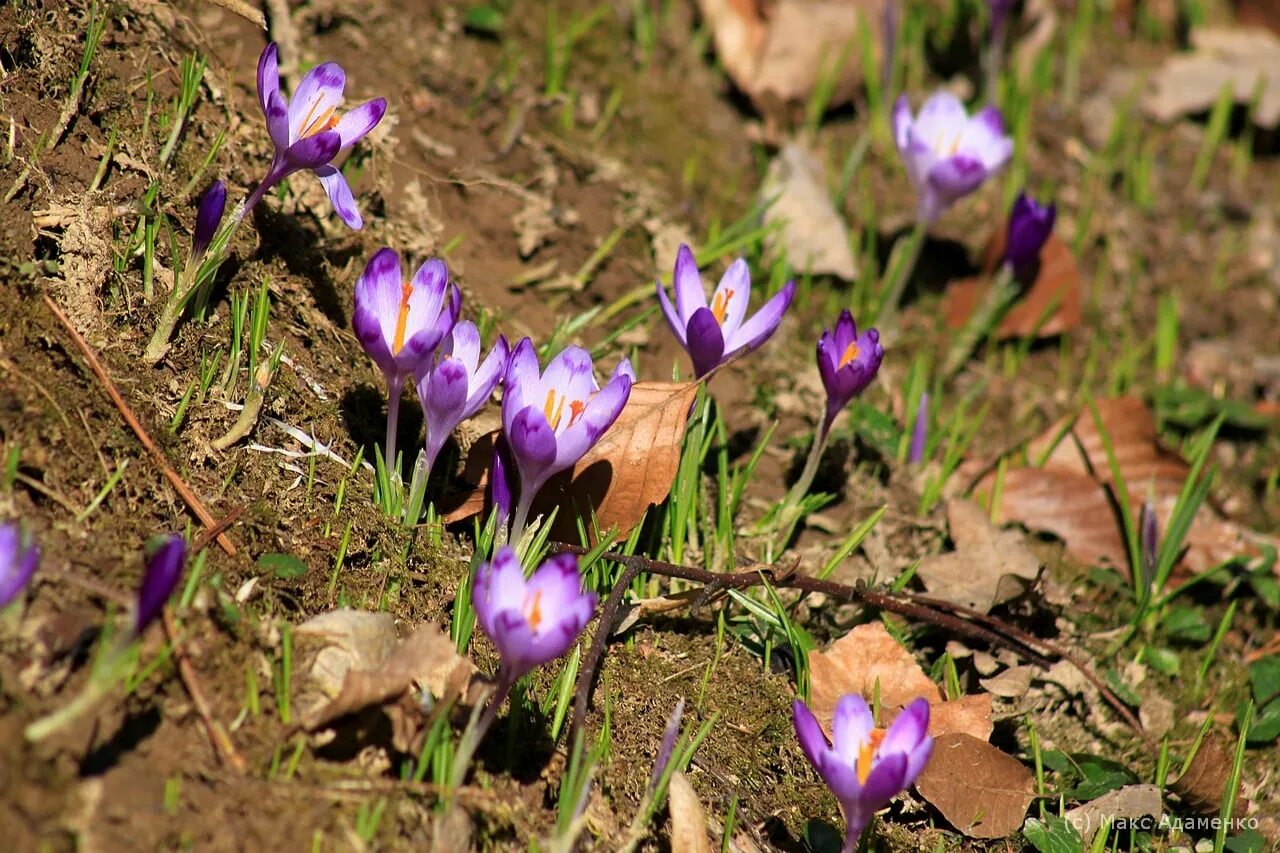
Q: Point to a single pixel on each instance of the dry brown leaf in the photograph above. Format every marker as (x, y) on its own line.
(1205, 781)
(811, 235)
(980, 790)
(645, 607)
(868, 656)
(688, 820)
(1242, 59)
(988, 567)
(1012, 683)
(1130, 802)
(1069, 496)
(631, 468)
(426, 658)
(1055, 291)
(779, 56)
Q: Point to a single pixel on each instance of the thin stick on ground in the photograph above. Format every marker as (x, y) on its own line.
(194, 503)
(218, 736)
(951, 617)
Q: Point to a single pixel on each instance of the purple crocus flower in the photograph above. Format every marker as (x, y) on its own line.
(847, 362)
(454, 385)
(400, 323)
(308, 132)
(1030, 225)
(208, 218)
(530, 621)
(667, 748)
(166, 556)
(948, 154)
(865, 768)
(18, 559)
(552, 419)
(711, 334)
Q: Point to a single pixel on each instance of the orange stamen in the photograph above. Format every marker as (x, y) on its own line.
(720, 304)
(867, 755)
(849, 354)
(325, 121)
(553, 409)
(535, 610)
(576, 408)
(406, 290)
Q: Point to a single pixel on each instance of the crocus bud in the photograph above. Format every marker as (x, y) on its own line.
(668, 745)
(920, 431)
(500, 480)
(1149, 542)
(530, 621)
(865, 768)
(1030, 225)
(165, 558)
(18, 559)
(208, 218)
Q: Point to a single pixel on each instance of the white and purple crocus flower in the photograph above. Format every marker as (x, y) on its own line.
(947, 153)
(712, 333)
(166, 556)
(18, 559)
(847, 362)
(308, 131)
(400, 322)
(865, 767)
(552, 418)
(530, 621)
(455, 383)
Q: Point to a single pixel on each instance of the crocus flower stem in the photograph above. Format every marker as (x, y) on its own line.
(985, 318)
(395, 388)
(819, 446)
(477, 727)
(902, 264)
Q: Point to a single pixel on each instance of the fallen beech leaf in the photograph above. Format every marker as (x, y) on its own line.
(1243, 59)
(1129, 802)
(351, 639)
(631, 468)
(811, 235)
(780, 56)
(980, 790)
(1070, 495)
(988, 567)
(1205, 781)
(425, 658)
(688, 820)
(1013, 683)
(868, 656)
(1055, 289)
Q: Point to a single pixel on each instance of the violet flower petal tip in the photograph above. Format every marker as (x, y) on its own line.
(208, 218)
(19, 556)
(166, 556)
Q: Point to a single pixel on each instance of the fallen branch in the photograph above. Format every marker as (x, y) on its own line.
(218, 736)
(960, 620)
(184, 491)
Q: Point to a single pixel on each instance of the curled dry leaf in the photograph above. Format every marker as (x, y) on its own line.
(643, 608)
(1013, 683)
(811, 235)
(688, 820)
(988, 567)
(870, 662)
(1070, 495)
(980, 790)
(426, 658)
(779, 56)
(1205, 781)
(1243, 59)
(1130, 802)
(631, 468)
(1050, 304)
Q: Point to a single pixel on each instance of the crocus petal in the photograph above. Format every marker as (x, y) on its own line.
(164, 570)
(812, 740)
(534, 446)
(984, 138)
(464, 345)
(670, 313)
(557, 583)
(600, 413)
(734, 290)
(507, 582)
(623, 368)
(208, 217)
(487, 376)
(17, 563)
(901, 121)
(339, 192)
(851, 726)
(764, 322)
(569, 374)
(704, 341)
(828, 358)
(885, 780)
(268, 75)
(941, 121)
(313, 152)
(840, 777)
(378, 293)
(500, 481)
(687, 284)
(956, 177)
(443, 394)
(357, 122)
(908, 729)
(319, 93)
(520, 381)
(276, 112)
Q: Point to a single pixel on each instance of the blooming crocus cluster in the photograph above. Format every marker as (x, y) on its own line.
(1030, 225)
(710, 334)
(863, 766)
(400, 322)
(308, 131)
(19, 557)
(947, 153)
(166, 556)
(552, 418)
(530, 621)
